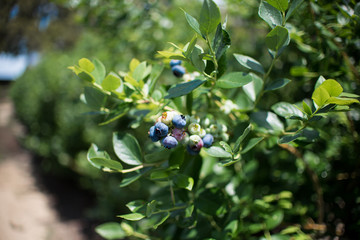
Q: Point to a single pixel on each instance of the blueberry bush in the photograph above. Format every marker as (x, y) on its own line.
(224, 153)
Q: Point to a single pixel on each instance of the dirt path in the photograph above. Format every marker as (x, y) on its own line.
(26, 212)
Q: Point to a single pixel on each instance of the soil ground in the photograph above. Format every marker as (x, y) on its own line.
(28, 208)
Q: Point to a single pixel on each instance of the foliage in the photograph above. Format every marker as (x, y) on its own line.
(249, 184)
(36, 25)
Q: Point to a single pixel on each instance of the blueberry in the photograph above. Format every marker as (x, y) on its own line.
(208, 140)
(178, 134)
(161, 129)
(194, 128)
(178, 71)
(169, 142)
(152, 134)
(175, 62)
(191, 151)
(179, 121)
(195, 142)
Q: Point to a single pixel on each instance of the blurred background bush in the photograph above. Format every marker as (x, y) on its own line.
(325, 41)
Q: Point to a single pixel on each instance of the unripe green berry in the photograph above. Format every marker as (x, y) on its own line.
(194, 128)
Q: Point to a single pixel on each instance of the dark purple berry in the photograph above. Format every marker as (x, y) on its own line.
(192, 151)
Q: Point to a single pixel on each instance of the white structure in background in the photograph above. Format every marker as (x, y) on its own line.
(13, 66)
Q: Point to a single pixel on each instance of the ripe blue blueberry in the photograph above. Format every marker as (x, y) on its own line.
(208, 140)
(169, 142)
(161, 129)
(152, 134)
(179, 121)
(175, 62)
(178, 71)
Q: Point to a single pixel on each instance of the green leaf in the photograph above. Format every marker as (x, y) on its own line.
(183, 88)
(253, 89)
(349, 95)
(234, 80)
(221, 41)
(307, 135)
(211, 201)
(241, 138)
(176, 158)
(101, 159)
(154, 76)
(135, 205)
(267, 120)
(209, 17)
(281, 5)
(320, 96)
(291, 230)
(215, 151)
(102, 163)
(277, 38)
(160, 174)
(289, 138)
(131, 177)
(139, 72)
(157, 156)
(132, 216)
(357, 9)
(274, 219)
(111, 230)
(86, 65)
(127, 148)
(131, 82)
(99, 72)
(190, 46)
(150, 208)
(278, 83)
(94, 152)
(194, 24)
(332, 87)
(341, 101)
(196, 58)
(183, 181)
(306, 108)
(251, 144)
(293, 6)
(94, 98)
(249, 63)
(86, 76)
(226, 146)
(162, 219)
(287, 110)
(270, 15)
(319, 81)
(111, 82)
(229, 162)
(172, 55)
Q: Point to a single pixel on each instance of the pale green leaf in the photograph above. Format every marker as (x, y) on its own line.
(127, 148)
(86, 65)
(234, 80)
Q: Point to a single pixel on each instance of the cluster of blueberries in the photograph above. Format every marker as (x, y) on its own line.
(176, 68)
(170, 129)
